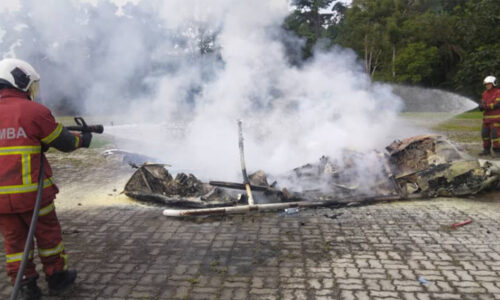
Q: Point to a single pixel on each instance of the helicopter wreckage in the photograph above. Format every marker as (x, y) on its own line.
(423, 166)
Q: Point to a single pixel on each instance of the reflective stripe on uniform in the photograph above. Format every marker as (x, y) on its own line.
(20, 150)
(492, 105)
(15, 257)
(495, 140)
(25, 188)
(25, 152)
(492, 117)
(26, 162)
(46, 210)
(53, 135)
(77, 141)
(65, 258)
(52, 251)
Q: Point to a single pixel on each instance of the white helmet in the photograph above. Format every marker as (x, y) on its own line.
(20, 75)
(490, 79)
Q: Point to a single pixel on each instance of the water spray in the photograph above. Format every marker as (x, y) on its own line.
(418, 99)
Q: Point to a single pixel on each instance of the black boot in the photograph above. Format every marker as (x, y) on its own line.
(485, 152)
(61, 280)
(29, 290)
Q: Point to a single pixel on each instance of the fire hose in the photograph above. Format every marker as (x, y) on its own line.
(31, 232)
(82, 127)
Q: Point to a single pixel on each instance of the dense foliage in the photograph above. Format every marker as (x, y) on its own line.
(451, 44)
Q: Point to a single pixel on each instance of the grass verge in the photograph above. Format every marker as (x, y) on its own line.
(462, 128)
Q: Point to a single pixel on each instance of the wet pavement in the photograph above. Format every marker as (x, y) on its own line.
(403, 250)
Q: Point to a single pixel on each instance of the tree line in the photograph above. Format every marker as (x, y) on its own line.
(449, 44)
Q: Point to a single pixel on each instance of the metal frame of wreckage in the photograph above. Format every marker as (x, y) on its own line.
(275, 206)
(246, 185)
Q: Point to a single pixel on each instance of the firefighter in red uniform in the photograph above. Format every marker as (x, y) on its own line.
(490, 104)
(26, 130)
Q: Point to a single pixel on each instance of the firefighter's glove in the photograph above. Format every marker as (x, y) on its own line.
(86, 139)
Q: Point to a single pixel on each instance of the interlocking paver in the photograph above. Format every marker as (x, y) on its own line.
(372, 252)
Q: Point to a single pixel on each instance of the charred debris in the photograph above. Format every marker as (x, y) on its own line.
(423, 166)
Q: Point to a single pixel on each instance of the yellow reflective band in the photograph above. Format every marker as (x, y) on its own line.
(65, 257)
(77, 141)
(26, 162)
(52, 251)
(25, 188)
(47, 209)
(496, 125)
(492, 117)
(15, 257)
(51, 137)
(495, 140)
(20, 150)
(492, 105)
(497, 99)
(25, 152)
(486, 139)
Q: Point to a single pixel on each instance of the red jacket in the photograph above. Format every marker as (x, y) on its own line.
(24, 126)
(491, 103)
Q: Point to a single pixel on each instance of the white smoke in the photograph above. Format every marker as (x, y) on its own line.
(142, 61)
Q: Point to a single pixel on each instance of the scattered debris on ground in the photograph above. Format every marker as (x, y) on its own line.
(127, 157)
(456, 225)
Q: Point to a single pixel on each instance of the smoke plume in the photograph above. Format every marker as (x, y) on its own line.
(174, 77)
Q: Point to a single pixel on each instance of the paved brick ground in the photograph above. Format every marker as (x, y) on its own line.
(375, 252)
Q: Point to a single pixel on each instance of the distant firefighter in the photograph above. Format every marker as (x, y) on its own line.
(27, 129)
(490, 106)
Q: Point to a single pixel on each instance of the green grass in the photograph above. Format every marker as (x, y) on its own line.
(463, 128)
(471, 115)
(456, 126)
(425, 115)
(465, 138)
(446, 122)
(466, 122)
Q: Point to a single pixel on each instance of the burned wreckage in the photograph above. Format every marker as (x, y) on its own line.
(423, 166)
